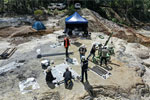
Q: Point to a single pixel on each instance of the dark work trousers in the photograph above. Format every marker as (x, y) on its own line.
(67, 55)
(84, 71)
(66, 82)
(103, 58)
(90, 55)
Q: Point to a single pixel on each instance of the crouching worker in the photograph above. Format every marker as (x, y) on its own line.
(49, 76)
(68, 79)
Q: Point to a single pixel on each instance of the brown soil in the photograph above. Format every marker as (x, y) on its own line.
(5, 32)
(19, 35)
(99, 24)
(131, 36)
(24, 31)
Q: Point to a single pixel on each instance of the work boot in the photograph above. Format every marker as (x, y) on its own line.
(81, 81)
(67, 58)
(86, 80)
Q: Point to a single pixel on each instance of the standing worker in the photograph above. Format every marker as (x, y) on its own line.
(82, 51)
(92, 52)
(104, 55)
(84, 68)
(66, 45)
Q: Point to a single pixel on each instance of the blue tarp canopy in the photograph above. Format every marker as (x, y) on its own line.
(75, 19)
(38, 26)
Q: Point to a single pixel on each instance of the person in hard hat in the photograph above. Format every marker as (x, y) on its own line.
(67, 77)
(92, 52)
(104, 55)
(66, 45)
(82, 51)
(84, 68)
(49, 75)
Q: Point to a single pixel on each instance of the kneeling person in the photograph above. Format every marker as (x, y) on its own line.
(67, 77)
(49, 76)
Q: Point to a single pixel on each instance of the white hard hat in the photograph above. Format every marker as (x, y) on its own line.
(83, 58)
(52, 61)
(96, 46)
(49, 69)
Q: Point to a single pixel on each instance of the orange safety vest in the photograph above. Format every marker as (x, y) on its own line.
(66, 40)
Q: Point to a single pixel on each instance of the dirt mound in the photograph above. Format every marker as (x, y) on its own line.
(19, 35)
(98, 23)
(26, 32)
(139, 37)
(5, 32)
(131, 36)
(23, 31)
(94, 24)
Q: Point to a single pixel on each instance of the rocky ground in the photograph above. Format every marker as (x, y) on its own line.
(129, 80)
(129, 66)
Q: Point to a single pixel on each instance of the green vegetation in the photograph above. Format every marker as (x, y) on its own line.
(38, 12)
(119, 11)
(71, 10)
(124, 11)
(5, 1)
(114, 20)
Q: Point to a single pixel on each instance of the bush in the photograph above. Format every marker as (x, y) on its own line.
(56, 12)
(71, 10)
(5, 1)
(114, 20)
(38, 12)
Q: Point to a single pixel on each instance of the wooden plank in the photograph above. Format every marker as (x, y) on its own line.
(9, 52)
(6, 51)
(12, 52)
